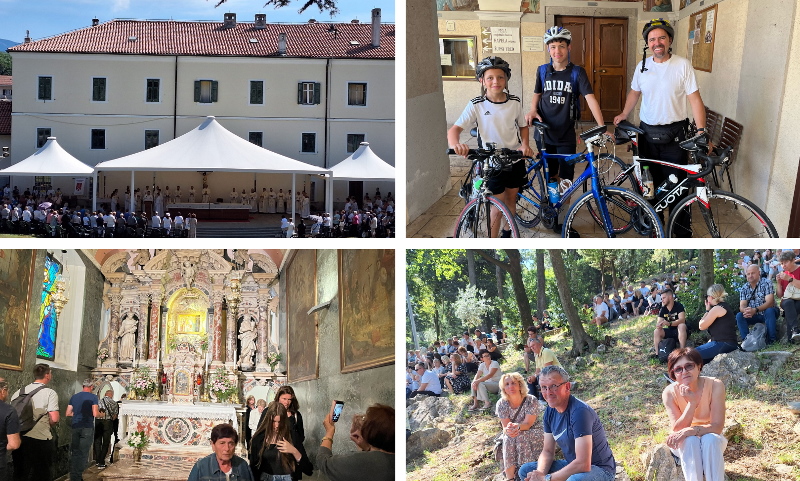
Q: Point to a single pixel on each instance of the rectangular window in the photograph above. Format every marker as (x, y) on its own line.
(48, 316)
(98, 139)
(256, 138)
(308, 93)
(206, 91)
(98, 89)
(256, 92)
(457, 57)
(150, 139)
(309, 142)
(153, 90)
(41, 136)
(45, 88)
(357, 94)
(353, 141)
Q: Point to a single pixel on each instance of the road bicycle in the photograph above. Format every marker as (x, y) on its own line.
(476, 217)
(723, 213)
(617, 211)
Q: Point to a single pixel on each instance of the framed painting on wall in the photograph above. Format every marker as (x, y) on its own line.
(16, 286)
(301, 328)
(366, 308)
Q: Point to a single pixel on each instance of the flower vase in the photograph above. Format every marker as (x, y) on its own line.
(137, 457)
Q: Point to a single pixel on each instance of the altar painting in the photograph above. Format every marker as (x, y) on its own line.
(16, 284)
(301, 295)
(187, 319)
(366, 308)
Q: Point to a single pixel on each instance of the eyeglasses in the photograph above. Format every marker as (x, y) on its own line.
(689, 366)
(553, 387)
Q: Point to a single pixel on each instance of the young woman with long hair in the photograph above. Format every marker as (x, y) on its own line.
(274, 456)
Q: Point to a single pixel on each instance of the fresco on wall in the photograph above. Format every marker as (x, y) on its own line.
(658, 5)
(526, 6)
(685, 3)
(16, 284)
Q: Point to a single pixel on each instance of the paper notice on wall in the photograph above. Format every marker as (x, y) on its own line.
(450, 25)
(505, 40)
(697, 36)
(710, 21)
(80, 187)
(446, 59)
(532, 44)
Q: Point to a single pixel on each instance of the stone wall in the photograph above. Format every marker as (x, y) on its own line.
(358, 390)
(66, 382)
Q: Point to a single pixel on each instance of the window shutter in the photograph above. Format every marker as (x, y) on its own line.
(214, 90)
(316, 92)
(300, 92)
(196, 90)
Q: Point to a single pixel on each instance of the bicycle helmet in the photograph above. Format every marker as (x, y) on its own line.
(658, 23)
(490, 63)
(557, 33)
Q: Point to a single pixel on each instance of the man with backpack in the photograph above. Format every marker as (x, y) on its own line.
(671, 324)
(37, 407)
(9, 429)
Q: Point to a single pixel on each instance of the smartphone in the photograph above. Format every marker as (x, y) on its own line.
(337, 410)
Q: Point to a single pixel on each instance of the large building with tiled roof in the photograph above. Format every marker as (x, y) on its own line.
(309, 91)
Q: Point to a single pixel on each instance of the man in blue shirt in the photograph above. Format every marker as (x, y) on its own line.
(223, 464)
(757, 304)
(83, 409)
(576, 428)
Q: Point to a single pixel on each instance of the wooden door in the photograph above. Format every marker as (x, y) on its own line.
(599, 46)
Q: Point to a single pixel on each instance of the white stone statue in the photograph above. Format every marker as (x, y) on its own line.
(247, 336)
(127, 339)
(188, 272)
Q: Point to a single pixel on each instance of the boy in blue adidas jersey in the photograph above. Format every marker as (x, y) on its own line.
(501, 121)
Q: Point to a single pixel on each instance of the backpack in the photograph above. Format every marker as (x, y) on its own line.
(665, 347)
(756, 340)
(575, 108)
(23, 405)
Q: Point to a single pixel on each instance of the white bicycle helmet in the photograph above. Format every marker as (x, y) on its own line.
(557, 33)
(492, 62)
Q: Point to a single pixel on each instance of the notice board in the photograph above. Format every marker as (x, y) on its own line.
(702, 35)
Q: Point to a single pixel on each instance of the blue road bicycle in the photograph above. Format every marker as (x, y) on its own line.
(616, 211)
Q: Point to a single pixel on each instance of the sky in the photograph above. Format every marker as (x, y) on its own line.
(45, 18)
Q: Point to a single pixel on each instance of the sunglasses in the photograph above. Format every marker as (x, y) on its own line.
(689, 366)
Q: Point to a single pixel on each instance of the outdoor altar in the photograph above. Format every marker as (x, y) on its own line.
(191, 334)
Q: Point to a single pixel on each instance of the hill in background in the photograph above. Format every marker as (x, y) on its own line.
(6, 44)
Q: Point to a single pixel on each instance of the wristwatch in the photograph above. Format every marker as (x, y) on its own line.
(547, 477)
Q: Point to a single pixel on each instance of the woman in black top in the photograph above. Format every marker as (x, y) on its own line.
(274, 455)
(720, 320)
(286, 397)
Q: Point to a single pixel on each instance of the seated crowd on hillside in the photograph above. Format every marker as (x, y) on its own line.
(695, 404)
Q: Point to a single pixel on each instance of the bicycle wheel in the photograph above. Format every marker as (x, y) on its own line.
(475, 221)
(611, 170)
(727, 215)
(530, 200)
(630, 215)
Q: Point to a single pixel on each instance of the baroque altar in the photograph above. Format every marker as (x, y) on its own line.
(179, 321)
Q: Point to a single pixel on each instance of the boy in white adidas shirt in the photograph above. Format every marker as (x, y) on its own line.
(501, 121)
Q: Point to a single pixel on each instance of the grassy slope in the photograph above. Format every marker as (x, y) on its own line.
(624, 387)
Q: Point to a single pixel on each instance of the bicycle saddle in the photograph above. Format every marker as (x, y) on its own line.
(600, 129)
(697, 143)
(540, 125)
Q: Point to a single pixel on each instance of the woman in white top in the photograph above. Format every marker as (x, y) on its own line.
(486, 379)
(255, 416)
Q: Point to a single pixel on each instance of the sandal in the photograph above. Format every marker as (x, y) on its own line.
(472, 408)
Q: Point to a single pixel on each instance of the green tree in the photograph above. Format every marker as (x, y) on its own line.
(471, 305)
(514, 269)
(323, 5)
(581, 341)
(5, 63)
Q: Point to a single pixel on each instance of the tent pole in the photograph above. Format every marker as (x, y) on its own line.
(132, 196)
(329, 194)
(294, 194)
(94, 193)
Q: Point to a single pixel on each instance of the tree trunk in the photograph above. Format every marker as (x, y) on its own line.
(514, 268)
(500, 276)
(706, 268)
(473, 280)
(541, 295)
(581, 342)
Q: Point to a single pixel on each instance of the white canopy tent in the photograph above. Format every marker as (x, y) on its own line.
(50, 160)
(363, 165)
(212, 148)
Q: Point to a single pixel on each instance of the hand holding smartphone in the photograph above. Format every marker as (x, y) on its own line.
(337, 410)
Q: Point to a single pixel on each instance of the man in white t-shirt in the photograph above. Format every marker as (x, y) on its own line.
(428, 382)
(600, 311)
(36, 456)
(664, 82)
(644, 289)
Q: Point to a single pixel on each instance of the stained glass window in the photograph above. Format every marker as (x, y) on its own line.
(47, 312)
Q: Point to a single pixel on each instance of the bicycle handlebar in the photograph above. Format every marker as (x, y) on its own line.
(711, 162)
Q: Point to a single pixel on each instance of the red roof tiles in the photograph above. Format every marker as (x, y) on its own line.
(169, 37)
(5, 118)
(5, 80)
